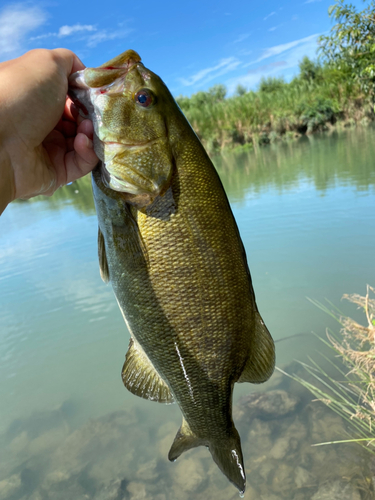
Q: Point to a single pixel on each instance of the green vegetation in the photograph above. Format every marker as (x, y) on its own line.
(351, 42)
(351, 393)
(338, 88)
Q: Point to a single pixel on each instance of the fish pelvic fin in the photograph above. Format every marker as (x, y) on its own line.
(227, 455)
(226, 452)
(141, 378)
(261, 361)
(185, 440)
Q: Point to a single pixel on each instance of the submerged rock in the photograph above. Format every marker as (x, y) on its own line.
(189, 476)
(303, 478)
(137, 491)
(123, 456)
(266, 406)
(338, 490)
(9, 486)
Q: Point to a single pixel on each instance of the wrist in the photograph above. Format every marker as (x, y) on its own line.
(7, 186)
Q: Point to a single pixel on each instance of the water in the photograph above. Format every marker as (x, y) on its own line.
(306, 213)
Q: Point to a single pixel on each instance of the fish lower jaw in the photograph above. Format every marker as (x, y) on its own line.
(123, 186)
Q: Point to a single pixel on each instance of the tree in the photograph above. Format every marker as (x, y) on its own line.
(308, 69)
(271, 84)
(240, 90)
(218, 92)
(351, 42)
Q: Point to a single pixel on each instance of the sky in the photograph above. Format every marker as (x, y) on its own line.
(191, 45)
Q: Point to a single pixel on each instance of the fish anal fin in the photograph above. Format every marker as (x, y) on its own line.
(185, 440)
(103, 264)
(141, 378)
(261, 361)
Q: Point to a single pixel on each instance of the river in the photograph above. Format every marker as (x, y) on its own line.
(306, 213)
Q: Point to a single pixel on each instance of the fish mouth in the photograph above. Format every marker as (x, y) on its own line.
(137, 182)
(121, 185)
(134, 145)
(117, 184)
(104, 75)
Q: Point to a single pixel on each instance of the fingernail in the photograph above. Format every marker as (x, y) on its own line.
(89, 143)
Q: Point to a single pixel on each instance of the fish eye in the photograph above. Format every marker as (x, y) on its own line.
(145, 98)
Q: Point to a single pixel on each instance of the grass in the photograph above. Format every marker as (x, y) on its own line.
(351, 392)
(314, 100)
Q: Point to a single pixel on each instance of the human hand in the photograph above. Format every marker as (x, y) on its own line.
(44, 143)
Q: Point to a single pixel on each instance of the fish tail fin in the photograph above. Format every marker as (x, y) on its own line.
(228, 457)
(227, 453)
(185, 440)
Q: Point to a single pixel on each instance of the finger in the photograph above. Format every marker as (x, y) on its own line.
(86, 127)
(55, 146)
(59, 126)
(82, 160)
(68, 60)
(69, 129)
(70, 143)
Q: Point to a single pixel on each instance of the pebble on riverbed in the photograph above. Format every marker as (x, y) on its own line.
(118, 457)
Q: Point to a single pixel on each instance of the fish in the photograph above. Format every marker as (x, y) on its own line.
(170, 246)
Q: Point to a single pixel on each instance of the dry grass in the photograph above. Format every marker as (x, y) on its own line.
(350, 393)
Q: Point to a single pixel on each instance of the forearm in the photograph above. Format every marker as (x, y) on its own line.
(7, 189)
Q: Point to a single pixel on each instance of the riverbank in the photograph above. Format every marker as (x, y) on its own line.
(320, 98)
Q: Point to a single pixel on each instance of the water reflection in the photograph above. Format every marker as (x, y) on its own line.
(324, 159)
(341, 158)
(77, 195)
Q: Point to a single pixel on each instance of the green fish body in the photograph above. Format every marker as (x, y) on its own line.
(170, 246)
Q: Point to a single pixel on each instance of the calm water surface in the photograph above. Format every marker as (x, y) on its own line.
(306, 213)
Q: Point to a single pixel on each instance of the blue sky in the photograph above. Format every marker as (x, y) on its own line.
(191, 45)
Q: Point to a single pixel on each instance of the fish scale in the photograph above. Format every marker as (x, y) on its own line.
(170, 246)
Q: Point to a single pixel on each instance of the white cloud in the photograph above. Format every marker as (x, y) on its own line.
(241, 38)
(16, 22)
(84, 30)
(207, 74)
(68, 30)
(269, 15)
(279, 49)
(292, 54)
(103, 35)
(40, 37)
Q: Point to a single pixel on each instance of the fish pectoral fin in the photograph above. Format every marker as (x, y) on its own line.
(261, 361)
(103, 264)
(141, 378)
(185, 440)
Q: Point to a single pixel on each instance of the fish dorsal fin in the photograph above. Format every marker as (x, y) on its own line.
(141, 378)
(261, 362)
(103, 264)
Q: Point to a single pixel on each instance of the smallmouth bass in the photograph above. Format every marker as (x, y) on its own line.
(170, 246)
